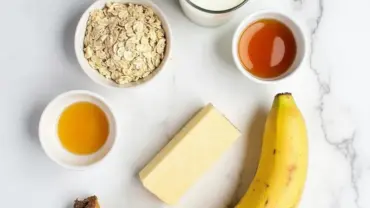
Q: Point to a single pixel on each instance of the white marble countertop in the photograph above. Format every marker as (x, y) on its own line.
(38, 63)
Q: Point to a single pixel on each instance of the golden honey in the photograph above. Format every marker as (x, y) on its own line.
(83, 128)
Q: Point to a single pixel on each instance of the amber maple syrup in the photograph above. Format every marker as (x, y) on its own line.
(267, 48)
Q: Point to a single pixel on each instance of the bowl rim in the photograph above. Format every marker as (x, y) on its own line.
(248, 21)
(81, 29)
(47, 110)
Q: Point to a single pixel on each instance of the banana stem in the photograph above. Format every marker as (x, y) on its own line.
(283, 99)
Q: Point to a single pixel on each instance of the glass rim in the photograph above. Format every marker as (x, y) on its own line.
(216, 11)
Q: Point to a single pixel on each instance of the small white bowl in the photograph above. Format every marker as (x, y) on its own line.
(290, 23)
(94, 74)
(49, 137)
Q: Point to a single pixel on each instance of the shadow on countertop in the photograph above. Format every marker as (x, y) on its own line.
(33, 121)
(69, 29)
(253, 151)
(224, 46)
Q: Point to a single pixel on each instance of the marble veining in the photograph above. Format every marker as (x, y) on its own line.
(345, 144)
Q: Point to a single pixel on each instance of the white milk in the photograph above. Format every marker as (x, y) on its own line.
(217, 15)
(217, 5)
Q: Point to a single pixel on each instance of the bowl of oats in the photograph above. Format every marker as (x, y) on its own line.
(122, 43)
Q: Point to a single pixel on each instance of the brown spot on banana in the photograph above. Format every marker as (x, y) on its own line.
(266, 202)
(291, 170)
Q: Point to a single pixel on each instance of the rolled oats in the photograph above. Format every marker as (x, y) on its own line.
(124, 42)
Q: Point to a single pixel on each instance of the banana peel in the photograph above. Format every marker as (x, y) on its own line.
(282, 170)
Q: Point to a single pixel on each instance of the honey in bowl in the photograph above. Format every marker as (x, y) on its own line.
(267, 48)
(83, 128)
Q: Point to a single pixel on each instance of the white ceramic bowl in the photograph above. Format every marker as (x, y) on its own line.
(49, 137)
(290, 23)
(80, 35)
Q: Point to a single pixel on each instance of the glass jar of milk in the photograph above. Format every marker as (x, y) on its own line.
(210, 13)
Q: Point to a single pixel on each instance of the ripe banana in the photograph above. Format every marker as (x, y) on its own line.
(282, 169)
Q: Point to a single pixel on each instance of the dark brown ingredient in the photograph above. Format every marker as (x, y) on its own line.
(90, 202)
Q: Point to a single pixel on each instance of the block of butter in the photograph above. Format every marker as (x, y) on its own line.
(193, 151)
